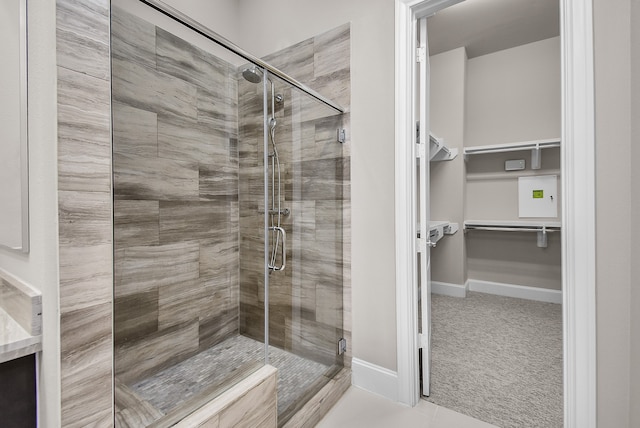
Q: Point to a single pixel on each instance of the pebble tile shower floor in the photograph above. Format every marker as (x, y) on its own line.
(175, 385)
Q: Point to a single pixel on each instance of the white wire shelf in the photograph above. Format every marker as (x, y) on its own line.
(513, 226)
(534, 146)
(437, 229)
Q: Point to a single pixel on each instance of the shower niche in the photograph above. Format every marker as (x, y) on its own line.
(231, 208)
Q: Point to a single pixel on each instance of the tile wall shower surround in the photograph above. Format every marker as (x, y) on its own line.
(310, 300)
(176, 222)
(84, 183)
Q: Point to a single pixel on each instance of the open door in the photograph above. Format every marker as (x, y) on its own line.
(422, 205)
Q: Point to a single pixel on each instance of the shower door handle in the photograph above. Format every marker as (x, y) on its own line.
(283, 255)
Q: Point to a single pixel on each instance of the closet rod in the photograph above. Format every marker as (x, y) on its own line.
(512, 147)
(541, 229)
(513, 229)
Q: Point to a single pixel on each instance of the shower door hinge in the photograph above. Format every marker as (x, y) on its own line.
(421, 54)
(342, 346)
(342, 136)
(423, 341)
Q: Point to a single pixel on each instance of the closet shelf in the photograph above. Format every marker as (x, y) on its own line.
(534, 146)
(541, 228)
(438, 151)
(437, 229)
(511, 226)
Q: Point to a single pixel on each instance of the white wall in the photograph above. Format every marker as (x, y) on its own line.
(222, 16)
(530, 73)
(613, 186)
(269, 26)
(635, 214)
(40, 267)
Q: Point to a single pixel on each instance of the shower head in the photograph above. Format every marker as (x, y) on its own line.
(253, 74)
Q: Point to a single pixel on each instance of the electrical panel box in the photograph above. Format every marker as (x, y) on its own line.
(514, 165)
(538, 196)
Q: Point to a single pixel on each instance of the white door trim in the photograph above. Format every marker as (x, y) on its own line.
(578, 208)
(406, 278)
(578, 214)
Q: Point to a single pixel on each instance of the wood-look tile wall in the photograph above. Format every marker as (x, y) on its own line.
(309, 301)
(84, 199)
(85, 208)
(175, 167)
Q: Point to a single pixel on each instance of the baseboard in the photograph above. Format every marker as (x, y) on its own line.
(375, 379)
(518, 291)
(446, 289)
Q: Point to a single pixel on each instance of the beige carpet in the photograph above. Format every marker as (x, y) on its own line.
(498, 359)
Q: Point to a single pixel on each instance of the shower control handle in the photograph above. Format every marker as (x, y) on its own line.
(283, 257)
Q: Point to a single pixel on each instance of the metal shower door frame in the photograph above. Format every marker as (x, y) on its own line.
(265, 162)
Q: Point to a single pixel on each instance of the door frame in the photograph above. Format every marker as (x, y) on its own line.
(578, 207)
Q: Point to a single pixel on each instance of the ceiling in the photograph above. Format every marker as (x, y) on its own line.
(486, 26)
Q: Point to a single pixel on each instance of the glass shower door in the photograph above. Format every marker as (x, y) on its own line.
(306, 260)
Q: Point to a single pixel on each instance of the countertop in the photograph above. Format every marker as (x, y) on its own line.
(20, 318)
(15, 342)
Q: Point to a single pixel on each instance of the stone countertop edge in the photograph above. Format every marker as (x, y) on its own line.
(20, 318)
(15, 342)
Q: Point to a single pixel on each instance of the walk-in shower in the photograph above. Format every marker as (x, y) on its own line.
(230, 199)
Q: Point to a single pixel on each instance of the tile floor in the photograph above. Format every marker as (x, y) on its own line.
(358, 408)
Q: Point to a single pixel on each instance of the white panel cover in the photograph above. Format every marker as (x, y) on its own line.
(538, 196)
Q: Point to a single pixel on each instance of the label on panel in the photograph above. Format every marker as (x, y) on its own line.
(538, 196)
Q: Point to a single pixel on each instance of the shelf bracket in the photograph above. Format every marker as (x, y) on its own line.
(438, 151)
(450, 228)
(536, 158)
(542, 237)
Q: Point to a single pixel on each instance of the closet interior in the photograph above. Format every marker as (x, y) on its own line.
(496, 119)
(501, 111)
